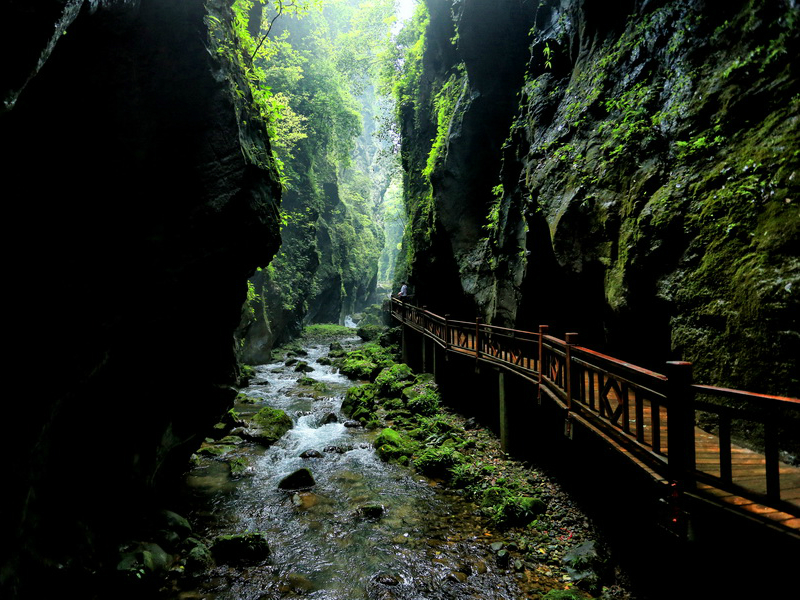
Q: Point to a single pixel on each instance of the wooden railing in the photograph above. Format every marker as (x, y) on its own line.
(649, 416)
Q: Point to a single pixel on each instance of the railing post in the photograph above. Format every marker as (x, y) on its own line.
(446, 333)
(542, 332)
(477, 338)
(424, 337)
(680, 423)
(570, 339)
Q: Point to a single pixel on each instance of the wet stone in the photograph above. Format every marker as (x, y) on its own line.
(457, 576)
(387, 579)
(329, 418)
(371, 511)
(297, 583)
(311, 453)
(299, 480)
(305, 500)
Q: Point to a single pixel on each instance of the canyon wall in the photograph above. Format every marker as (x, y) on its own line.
(138, 200)
(627, 171)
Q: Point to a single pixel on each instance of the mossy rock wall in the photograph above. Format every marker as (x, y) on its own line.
(140, 218)
(637, 181)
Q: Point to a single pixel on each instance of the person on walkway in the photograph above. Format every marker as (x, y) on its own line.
(403, 292)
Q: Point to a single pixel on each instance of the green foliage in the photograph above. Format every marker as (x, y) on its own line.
(423, 397)
(273, 422)
(438, 461)
(507, 508)
(366, 362)
(325, 331)
(393, 379)
(630, 119)
(359, 397)
(444, 105)
(392, 446)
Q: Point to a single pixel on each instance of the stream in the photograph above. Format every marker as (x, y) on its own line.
(367, 529)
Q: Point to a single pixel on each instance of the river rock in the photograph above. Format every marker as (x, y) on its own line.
(268, 426)
(457, 576)
(329, 418)
(297, 584)
(241, 548)
(386, 579)
(305, 500)
(145, 557)
(303, 367)
(352, 424)
(198, 556)
(175, 522)
(371, 511)
(311, 453)
(299, 480)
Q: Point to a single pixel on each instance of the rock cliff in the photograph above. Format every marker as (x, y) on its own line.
(138, 210)
(626, 171)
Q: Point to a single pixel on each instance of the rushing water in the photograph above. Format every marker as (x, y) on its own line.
(366, 530)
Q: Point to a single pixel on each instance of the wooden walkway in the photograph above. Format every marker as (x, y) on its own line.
(648, 417)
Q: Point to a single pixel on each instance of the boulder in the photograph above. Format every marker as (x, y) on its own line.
(249, 548)
(302, 479)
(198, 556)
(393, 446)
(270, 424)
(329, 418)
(371, 511)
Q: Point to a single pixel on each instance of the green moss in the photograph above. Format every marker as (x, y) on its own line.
(238, 466)
(438, 461)
(273, 422)
(423, 397)
(393, 379)
(392, 446)
(366, 362)
(564, 595)
(325, 331)
(215, 450)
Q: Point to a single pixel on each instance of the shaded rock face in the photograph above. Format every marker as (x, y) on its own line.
(138, 222)
(641, 189)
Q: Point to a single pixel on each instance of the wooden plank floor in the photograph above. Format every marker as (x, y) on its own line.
(748, 470)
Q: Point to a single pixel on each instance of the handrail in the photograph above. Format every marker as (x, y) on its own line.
(650, 414)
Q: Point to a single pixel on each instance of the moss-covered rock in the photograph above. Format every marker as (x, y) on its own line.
(301, 479)
(423, 396)
(359, 368)
(506, 507)
(393, 446)
(361, 396)
(270, 424)
(393, 379)
(198, 556)
(247, 548)
(369, 333)
(438, 461)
